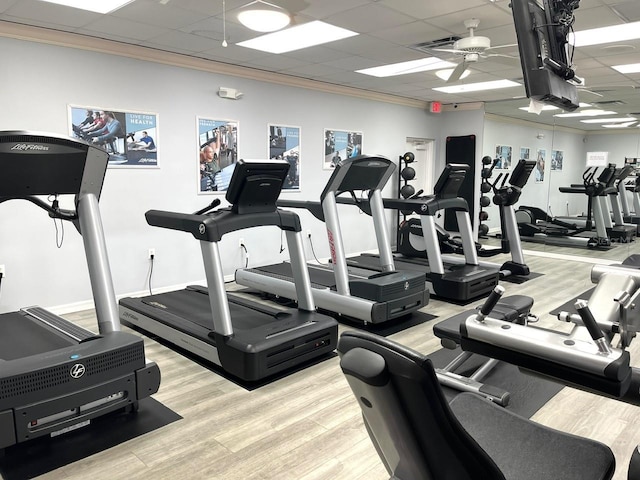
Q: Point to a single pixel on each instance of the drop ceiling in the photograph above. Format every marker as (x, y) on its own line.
(387, 31)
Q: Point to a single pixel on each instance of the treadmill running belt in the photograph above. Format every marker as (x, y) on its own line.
(318, 275)
(23, 337)
(194, 306)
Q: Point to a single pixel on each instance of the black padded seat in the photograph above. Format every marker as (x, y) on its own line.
(420, 436)
(525, 450)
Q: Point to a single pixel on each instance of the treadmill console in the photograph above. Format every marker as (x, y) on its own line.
(449, 182)
(44, 164)
(255, 185)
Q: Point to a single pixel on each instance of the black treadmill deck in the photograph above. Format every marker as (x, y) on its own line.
(459, 282)
(262, 344)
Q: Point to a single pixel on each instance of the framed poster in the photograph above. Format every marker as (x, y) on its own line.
(556, 159)
(339, 144)
(284, 144)
(503, 154)
(217, 153)
(539, 170)
(525, 153)
(131, 138)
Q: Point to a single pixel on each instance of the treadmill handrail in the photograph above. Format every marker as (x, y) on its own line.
(315, 208)
(427, 205)
(211, 228)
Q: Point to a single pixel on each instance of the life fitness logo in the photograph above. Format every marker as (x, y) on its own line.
(77, 371)
(332, 247)
(29, 146)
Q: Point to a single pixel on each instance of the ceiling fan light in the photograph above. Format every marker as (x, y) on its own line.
(263, 17)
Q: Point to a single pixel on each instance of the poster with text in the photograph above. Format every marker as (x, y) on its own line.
(131, 138)
(339, 144)
(539, 170)
(503, 154)
(217, 153)
(556, 159)
(525, 153)
(284, 144)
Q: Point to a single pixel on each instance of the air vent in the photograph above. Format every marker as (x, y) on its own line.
(427, 47)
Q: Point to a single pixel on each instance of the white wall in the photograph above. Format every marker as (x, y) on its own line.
(545, 194)
(39, 81)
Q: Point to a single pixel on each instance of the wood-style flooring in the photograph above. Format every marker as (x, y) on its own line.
(307, 426)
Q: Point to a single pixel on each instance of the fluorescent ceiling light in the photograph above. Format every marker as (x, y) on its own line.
(612, 34)
(609, 120)
(446, 73)
(404, 68)
(475, 87)
(620, 125)
(98, 6)
(629, 68)
(594, 112)
(298, 37)
(545, 107)
(263, 17)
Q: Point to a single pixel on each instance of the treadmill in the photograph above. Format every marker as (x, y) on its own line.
(249, 339)
(449, 280)
(54, 375)
(362, 294)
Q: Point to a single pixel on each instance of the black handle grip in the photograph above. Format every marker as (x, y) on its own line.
(211, 206)
(417, 194)
(588, 319)
(492, 300)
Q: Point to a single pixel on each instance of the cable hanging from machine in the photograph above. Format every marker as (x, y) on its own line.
(59, 233)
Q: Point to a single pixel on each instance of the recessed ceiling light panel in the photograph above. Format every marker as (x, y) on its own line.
(629, 68)
(609, 120)
(611, 34)
(404, 68)
(98, 6)
(298, 37)
(476, 87)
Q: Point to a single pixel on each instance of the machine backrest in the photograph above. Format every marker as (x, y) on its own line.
(406, 414)
(450, 180)
(256, 185)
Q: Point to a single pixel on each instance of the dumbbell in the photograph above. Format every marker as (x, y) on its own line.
(408, 173)
(408, 157)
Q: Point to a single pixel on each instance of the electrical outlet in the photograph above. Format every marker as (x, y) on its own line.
(152, 253)
(3, 271)
(241, 242)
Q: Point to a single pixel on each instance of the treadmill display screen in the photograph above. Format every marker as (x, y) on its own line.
(40, 165)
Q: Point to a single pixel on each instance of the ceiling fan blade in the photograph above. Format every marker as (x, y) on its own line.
(457, 73)
(448, 50)
(497, 55)
(502, 46)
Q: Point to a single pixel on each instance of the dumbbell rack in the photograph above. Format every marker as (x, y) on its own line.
(485, 187)
(405, 189)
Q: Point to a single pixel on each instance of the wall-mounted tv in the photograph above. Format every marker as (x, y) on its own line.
(542, 29)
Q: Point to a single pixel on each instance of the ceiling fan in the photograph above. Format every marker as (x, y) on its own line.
(472, 49)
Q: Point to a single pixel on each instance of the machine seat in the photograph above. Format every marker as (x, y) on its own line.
(419, 436)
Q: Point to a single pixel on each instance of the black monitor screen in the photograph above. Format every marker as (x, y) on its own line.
(542, 28)
(256, 185)
(45, 164)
